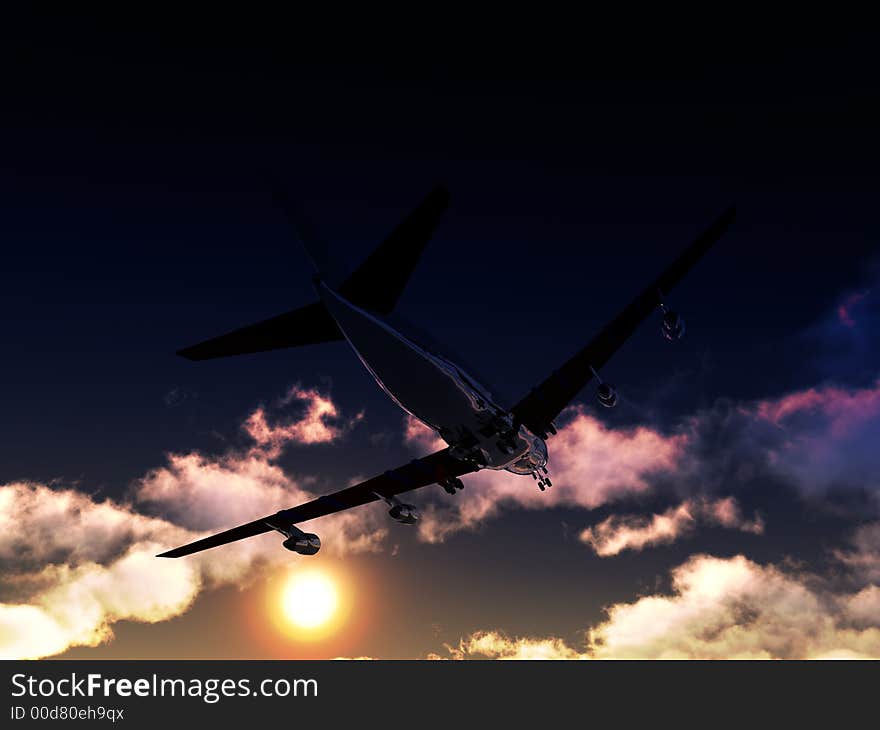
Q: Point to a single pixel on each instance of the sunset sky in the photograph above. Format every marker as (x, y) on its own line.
(728, 507)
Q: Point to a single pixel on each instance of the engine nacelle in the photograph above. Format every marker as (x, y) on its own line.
(405, 513)
(451, 484)
(672, 326)
(304, 543)
(606, 394)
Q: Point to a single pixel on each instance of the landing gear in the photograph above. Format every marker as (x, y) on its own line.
(672, 325)
(451, 485)
(542, 479)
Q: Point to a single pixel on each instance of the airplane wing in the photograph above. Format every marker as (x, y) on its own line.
(546, 401)
(432, 469)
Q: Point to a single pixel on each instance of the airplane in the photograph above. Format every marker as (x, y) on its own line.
(481, 433)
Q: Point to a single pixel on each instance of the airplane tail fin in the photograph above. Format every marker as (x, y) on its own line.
(315, 248)
(375, 285)
(379, 281)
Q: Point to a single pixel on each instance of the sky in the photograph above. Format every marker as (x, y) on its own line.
(728, 507)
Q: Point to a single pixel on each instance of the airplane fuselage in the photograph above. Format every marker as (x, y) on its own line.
(436, 392)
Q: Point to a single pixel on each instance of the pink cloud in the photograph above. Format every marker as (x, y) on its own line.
(319, 424)
(844, 309)
(618, 533)
(420, 436)
(842, 409)
(818, 439)
(826, 436)
(590, 464)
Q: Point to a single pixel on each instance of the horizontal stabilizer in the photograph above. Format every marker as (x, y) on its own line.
(307, 325)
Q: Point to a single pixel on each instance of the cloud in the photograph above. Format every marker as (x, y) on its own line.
(635, 532)
(591, 466)
(735, 608)
(41, 526)
(423, 438)
(210, 494)
(825, 437)
(844, 342)
(863, 557)
(845, 308)
(74, 565)
(319, 424)
(818, 441)
(78, 605)
(718, 608)
(496, 645)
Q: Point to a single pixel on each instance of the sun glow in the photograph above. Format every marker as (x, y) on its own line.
(310, 599)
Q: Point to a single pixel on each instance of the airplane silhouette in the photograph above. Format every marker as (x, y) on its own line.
(480, 433)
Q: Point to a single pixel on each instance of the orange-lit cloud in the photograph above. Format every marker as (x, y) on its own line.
(719, 608)
(74, 565)
(635, 532)
(735, 608)
(496, 645)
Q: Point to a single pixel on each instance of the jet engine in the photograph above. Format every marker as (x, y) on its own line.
(404, 513)
(606, 394)
(304, 543)
(452, 484)
(672, 326)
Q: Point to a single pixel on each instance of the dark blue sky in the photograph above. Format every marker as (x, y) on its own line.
(134, 221)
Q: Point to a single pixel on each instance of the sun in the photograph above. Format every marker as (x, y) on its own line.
(309, 599)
